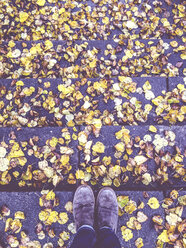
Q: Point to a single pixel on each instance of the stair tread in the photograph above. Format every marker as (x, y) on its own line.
(53, 102)
(42, 157)
(62, 59)
(127, 19)
(131, 167)
(157, 164)
(29, 204)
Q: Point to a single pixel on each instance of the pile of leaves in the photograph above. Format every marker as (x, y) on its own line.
(14, 228)
(169, 223)
(53, 160)
(145, 158)
(92, 59)
(92, 19)
(137, 213)
(172, 230)
(84, 102)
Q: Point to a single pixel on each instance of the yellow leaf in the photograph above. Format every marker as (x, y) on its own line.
(11, 43)
(65, 90)
(93, 64)
(105, 20)
(19, 215)
(131, 25)
(139, 243)
(174, 43)
(2, 152)
(146, 179)
(127, 234)
(16, 226)
(97, 123)
(152, 129)
(64, 235)
(141, 217)
(53, 142)
(67, 27)
(128, 54)
(80, 174)
(147, 86)
(140, 159)
(179, 32)
(52, 218)
(116, 182)
(19, 83)
(182, 200)
(64, 159)
(23, 16)
(133, 223)
(122, 200)
(98, 147)
(148, 107)
(153, 203)
(61, 242)
(130, 207)
(183, 56)
(63, 218)
(69, 207)
(164, 237)
(48, 44)
(50, 195)
(41, 2)
(62, 10)
(120, 147)
(8, 224)
(173, 219)
(74, 24)
(43, 215)
(28, 91)
(15, 152)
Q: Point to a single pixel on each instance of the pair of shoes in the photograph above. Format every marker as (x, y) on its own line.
(106, 208)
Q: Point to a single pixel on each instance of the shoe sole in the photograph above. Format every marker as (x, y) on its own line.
(103, 189)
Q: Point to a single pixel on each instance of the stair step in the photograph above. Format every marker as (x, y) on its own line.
(89, 59)
(117, 157)
(28, 202)
(131, 204)
(27, 166)
(71, 109)
(173, 82)
(100, 95)
(93, 20)
(38, 158)
(129, 239)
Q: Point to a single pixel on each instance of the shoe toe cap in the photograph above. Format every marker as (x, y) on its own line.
(83, 195)
(107, 198)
